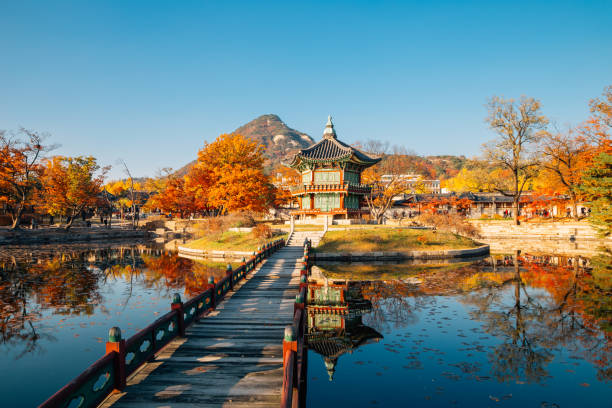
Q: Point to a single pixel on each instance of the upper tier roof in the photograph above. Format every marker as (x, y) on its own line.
(331, 149)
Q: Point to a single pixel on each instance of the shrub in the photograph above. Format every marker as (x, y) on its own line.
(211, 227)
(449, 222)
(241, 220)
(422, 239)
(262, 232)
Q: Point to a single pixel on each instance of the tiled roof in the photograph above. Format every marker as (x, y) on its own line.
(333, 149)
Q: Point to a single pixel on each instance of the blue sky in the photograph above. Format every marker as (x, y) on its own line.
(149, 81)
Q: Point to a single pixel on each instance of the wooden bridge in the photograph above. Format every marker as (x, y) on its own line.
(231, 357)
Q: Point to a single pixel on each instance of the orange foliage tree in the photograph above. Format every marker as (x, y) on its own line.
(70, 185)
(174, 198)
(566, 157)
(20, 171)
(229, 176)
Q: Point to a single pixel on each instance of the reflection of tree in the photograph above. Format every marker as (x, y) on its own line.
(393, 303)
(69, 282)
(531, 322)
(173, 272)
(523, 354)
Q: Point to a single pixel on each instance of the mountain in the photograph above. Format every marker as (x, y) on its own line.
(279, 140)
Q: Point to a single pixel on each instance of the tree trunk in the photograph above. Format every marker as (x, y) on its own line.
(17, 218)
(515, 206)
(574, 206)
(69, 223)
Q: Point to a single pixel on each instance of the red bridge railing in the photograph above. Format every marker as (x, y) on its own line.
(295, 352)
(123, 357)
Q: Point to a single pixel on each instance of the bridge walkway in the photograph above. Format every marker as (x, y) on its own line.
(231, 357)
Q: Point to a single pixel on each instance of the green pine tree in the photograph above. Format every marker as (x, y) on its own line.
(597, 188)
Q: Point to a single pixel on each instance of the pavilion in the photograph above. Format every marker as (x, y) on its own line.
(330, 178)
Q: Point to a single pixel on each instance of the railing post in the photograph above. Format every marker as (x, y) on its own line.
(289, 342)
(228, 273)
(299, 302)
(177, 305)
(303, 281)
(116, 344)
(213, 294)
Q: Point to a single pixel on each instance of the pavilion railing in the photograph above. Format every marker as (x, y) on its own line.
(295, 352)
(124, 357)
(342, 187)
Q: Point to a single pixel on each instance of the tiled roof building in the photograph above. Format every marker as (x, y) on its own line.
(331, 177)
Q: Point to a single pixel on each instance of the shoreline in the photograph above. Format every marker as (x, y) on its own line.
(60, 236)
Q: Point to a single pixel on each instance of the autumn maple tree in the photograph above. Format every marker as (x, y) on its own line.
(229, 176)
(70, 185)
(174, 198)
(20, 170)
(566, 155)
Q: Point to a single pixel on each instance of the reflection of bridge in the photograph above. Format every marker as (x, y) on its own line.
(232, 356)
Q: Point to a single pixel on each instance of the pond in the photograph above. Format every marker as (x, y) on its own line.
(506, 331)
(58, 303)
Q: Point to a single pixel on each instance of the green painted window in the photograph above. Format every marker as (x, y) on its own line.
(327, 321)
(327, 201)
(326, 177)
(327, 295)
(351, 177)
(306, 202)
(351, 201)
(306, 177)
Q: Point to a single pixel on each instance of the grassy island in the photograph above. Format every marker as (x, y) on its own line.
(232, 241)
(392, 240)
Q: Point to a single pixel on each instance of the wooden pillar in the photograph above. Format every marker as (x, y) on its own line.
(116, 344)
(228, 274)
(178, 306)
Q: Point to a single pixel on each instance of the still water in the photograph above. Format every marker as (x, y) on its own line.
(57, 304)
(508, 331)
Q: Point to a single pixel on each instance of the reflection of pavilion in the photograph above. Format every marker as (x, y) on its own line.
(334, 321)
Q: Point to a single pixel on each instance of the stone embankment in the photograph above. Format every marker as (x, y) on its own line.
(59, 235)
(204, 253)
(482, 250)
(551, 230)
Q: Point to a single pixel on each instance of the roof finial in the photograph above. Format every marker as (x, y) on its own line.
(329, 128)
